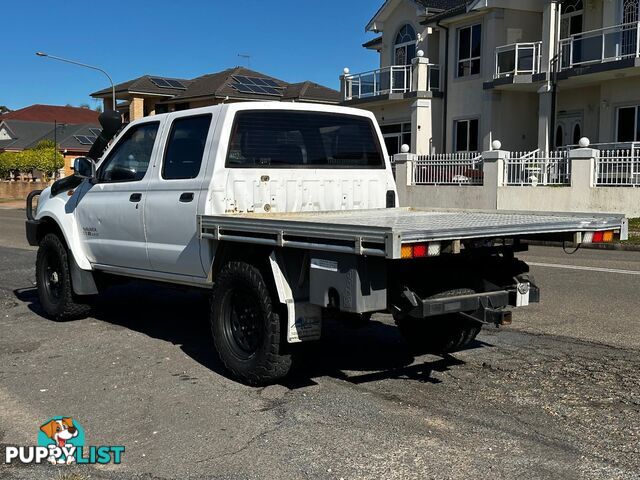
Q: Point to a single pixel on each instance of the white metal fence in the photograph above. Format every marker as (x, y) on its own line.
(618, 168)
(463, 168)
(538, 168)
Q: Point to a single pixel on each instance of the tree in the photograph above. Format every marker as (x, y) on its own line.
(4, 109)
(45, 158)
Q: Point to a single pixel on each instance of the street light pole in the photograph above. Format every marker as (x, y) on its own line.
(113, 88)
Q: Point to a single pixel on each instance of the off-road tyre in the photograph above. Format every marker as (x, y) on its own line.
(242, 299)
(442, 334)
(53, 281)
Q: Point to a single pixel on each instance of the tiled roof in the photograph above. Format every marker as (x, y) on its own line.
(375, 42)
(220, 85)
(310, 91)
(27, 135)
(440, 4)
(451, 12)
(143, 85)
(53, 113)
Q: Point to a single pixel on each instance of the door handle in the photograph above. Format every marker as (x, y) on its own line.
(135, 197)
(186, 197)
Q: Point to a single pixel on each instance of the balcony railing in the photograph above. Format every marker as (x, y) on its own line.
(384, 81)
(518, 59)
(600, 46)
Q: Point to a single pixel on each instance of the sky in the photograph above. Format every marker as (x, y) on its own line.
(292, 40)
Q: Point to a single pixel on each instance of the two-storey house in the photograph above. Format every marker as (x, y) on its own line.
(455, 75)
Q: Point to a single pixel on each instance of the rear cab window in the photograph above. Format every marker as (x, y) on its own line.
(299, 139)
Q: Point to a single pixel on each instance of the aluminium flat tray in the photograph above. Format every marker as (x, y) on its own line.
(381, 232)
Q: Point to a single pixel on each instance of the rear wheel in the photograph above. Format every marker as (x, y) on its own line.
(53, 280)
(246, 327)
(442, 334)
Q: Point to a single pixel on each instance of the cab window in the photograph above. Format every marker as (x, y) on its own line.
(298, 139)
(129, 159)
(185, 147)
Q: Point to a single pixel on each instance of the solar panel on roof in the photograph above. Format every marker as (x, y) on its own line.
(160, 82)
(256, 88)
(84, 139)
(241, 88)
(176, 84)
(241, 79)
(95, 131)
(272, 91)
(167, 83)
(260, 86)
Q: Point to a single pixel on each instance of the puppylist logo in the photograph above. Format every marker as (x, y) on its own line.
(61, 441)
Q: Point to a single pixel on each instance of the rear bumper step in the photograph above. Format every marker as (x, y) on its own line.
(487, 307)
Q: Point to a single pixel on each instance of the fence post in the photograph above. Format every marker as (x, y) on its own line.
(583, 166)
(493, 169)
(404, 174)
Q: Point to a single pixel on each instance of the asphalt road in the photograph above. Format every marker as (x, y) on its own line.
(557, 395)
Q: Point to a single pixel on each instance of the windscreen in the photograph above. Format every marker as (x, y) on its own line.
(294, 139)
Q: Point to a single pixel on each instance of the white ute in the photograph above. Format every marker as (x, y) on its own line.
(287, 214)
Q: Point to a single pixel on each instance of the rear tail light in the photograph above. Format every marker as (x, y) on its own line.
(606, 236)
(420, 250)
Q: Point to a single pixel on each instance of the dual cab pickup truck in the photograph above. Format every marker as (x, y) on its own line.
(285, 213)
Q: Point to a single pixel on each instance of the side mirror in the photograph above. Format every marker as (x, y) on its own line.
(84, 167)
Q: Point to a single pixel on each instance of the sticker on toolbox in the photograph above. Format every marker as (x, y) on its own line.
(322, 264)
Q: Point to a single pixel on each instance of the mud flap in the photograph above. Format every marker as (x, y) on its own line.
(304, 320)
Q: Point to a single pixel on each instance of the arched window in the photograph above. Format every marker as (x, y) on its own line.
(630, 11)
(559, 136)
(405, 46)
(577, 134)
(630, 15)
(571, 17)
(572, 6)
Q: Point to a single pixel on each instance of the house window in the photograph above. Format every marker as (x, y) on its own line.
(571, 18)
(404, 50)
(559, 136)
(630, 15)
(469, 50)
(395, 136)
(628, 124)
(466, 135)
(577, 134)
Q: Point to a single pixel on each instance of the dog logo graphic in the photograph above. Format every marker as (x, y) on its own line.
(61, 435)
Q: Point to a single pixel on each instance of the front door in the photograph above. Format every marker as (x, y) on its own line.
(174, 193)
(568, 129)
(110, 211)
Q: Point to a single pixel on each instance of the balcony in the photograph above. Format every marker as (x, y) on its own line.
(600, 46)
(518, 59)
(396, 79)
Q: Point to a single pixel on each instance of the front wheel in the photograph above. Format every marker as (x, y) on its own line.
(246, 327)
(53, 280)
